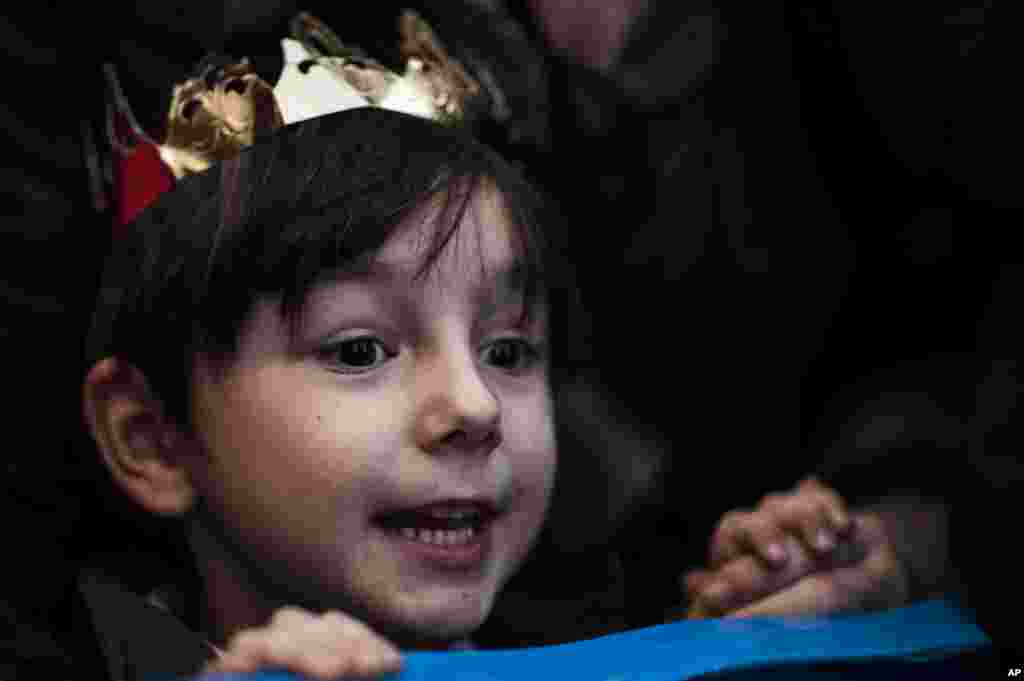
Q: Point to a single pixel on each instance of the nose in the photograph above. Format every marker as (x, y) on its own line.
(457, 412)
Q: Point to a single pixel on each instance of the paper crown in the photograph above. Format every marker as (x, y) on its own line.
(227, 106)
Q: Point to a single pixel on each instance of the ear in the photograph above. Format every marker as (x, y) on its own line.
(145, 451)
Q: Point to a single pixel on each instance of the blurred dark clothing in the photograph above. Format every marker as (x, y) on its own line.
(108, 631)
(947, 429)
(705, 224)
(775, 201)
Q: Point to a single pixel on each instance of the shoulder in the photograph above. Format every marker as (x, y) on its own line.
(51, 642)
(138, 634)
(93, 626)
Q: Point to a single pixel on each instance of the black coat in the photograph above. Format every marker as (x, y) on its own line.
(99, 627)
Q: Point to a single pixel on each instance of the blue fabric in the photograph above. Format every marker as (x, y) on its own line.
(921, 634)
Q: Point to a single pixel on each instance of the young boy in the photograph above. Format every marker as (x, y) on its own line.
(326, 361)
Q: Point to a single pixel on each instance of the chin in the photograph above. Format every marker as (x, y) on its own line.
(444, 621)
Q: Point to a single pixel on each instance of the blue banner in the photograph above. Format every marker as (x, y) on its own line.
(924, 634)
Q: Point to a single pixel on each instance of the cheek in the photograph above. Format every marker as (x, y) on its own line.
(530, 438)
(530, 462)
(279, 435)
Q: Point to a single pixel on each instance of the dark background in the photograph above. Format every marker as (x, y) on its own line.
(777, 211)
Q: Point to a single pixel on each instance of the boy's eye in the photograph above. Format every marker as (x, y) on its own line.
(354, 355)
(511, 354)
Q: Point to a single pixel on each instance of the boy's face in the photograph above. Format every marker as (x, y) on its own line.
(334, 462)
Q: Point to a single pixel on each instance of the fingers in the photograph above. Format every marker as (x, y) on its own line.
(831, 507)
(815, 512)
(865, 576)
(766, 559)
(741, 533)
(319, 646)
(812, 511)
(747, 578)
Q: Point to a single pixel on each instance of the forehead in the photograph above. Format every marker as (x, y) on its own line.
(482, 261)
(481, 255)
(483, 240)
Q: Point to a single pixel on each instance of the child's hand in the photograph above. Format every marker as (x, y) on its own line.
(328, 646)
(798, 553)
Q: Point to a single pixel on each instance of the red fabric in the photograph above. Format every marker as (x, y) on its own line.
(141, 178)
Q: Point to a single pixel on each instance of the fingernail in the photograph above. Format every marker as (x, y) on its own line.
(840, 520)
(776, 553)
(824, 540)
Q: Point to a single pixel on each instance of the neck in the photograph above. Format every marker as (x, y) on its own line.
(229, 603)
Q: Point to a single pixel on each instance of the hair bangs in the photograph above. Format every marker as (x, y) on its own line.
(321, 247)
(520, 210)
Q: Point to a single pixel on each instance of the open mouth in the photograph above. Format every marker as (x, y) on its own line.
(442, 524)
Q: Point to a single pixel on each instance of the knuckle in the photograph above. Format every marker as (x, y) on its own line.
(732, 518)
(824, 500)
(333, 619)
(806, 511)
(806, 499)
(735, 523)
(763, 524)
(357, 630)
(783, 504)
(351, 630)
(288, 615)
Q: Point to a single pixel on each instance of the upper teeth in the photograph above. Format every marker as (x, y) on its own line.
(453, 514)
(446, 537)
